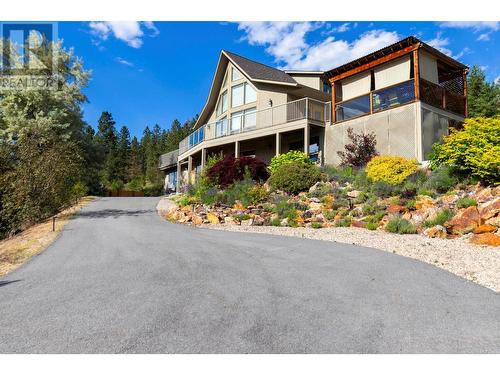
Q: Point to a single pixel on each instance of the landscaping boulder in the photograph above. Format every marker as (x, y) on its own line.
(258, 220)
(196, 219)
(485, 228)
(359, 223)
(353, 193)
(490, 209)
(464, 222)
(437, 231)
(396, 209)
(424, 202)
(230, 220)
(247, 222)
(489, 239)
(212, 218)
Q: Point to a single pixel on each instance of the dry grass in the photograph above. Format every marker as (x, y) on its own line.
(17, 250)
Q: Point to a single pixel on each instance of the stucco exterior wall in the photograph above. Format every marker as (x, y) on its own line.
(397, 132)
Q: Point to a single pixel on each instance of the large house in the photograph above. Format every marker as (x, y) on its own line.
(409, 94)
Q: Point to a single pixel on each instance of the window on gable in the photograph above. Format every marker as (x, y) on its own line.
(222, 104)
(250, 94)
(237, 95)
(236, 74)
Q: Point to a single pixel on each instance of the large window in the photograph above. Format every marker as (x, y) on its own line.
(393, 96)
(236, 75)
(250, 94)
(222, 104)
(237, 95)
(242, 94)
(236, 121)
(353, 108)
(250, 118)
(221, 127)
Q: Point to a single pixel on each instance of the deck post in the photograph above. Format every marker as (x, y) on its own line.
(237, 149)
(278, 143)
(203, 158)
(178, 179)
(190, 168)
(306, 139)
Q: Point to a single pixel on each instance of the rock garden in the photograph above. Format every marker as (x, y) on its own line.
(456, 195)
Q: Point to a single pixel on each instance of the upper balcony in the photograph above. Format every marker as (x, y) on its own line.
(315, 111)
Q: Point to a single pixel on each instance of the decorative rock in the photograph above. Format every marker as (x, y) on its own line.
(284, 222)
(247, 223)
(449, 199)
(353, 193)
(490, 209)
(489, 239)
(196, 220)
(314, 200)
(212, 218)
(229, 220)
(316, 207)
(495, 221)
(258, 220)
(423, 202)
(359, 223)
(307, 214)
(437, 231)
(396, 209)
(464, 222)
(485, 228)
(319, 218)
(484, 195)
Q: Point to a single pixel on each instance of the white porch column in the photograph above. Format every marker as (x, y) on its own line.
(237, 149)
(203, 158)
(278, 143)
(178, 180)
(190, 168)
(306, 139)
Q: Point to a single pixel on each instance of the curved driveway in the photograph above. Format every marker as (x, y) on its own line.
(121, 279)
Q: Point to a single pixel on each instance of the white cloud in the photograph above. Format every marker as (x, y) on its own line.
(343, 28)
(484, 37)
(286, 41)
(131, 32)
(476, 26)
(123, 61)
(440, 43)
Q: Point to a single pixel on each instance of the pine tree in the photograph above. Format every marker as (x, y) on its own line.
(108, 139)
(483, 98)
(123, 153)
(135, 164)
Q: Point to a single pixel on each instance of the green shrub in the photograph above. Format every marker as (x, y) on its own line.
(411, 204)
(473, 150)
(441, 218)
(344, 222)
(341, 175)
(244, 191)
(242, 217)
(135, 184)
(383, 189)
(285, 209)
(275, 222)
(400, 226)
(153, 189)
(330, 215)
(322, 190)
(371, 226)
(391, 169)
(466, 202)
(294, 177)
(296, 157)
(79, 190)
(441, 180)
(115, 185)
(316, 225)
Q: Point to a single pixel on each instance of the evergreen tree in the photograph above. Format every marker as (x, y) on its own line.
(483, 98)
(107, 138)
(123, 153)
(135, 164)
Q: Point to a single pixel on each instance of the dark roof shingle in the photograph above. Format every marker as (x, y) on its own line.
(260, 71)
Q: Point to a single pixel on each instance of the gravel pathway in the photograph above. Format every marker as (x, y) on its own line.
(480, 264)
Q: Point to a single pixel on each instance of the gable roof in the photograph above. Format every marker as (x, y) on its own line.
(259, 72)
(403, 43)
(254, 71)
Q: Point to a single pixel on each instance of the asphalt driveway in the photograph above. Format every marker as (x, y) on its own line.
(121, 280)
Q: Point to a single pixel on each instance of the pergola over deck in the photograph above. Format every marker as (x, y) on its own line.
(404, 72)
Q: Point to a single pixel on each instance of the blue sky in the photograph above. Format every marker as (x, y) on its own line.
(147, 73)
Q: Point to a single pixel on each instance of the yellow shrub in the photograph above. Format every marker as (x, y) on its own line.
(391, 169)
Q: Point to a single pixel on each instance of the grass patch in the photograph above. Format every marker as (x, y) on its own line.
(316, 225)
(466, 202)
(400, 226)
(20, 248)
(442, 217)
